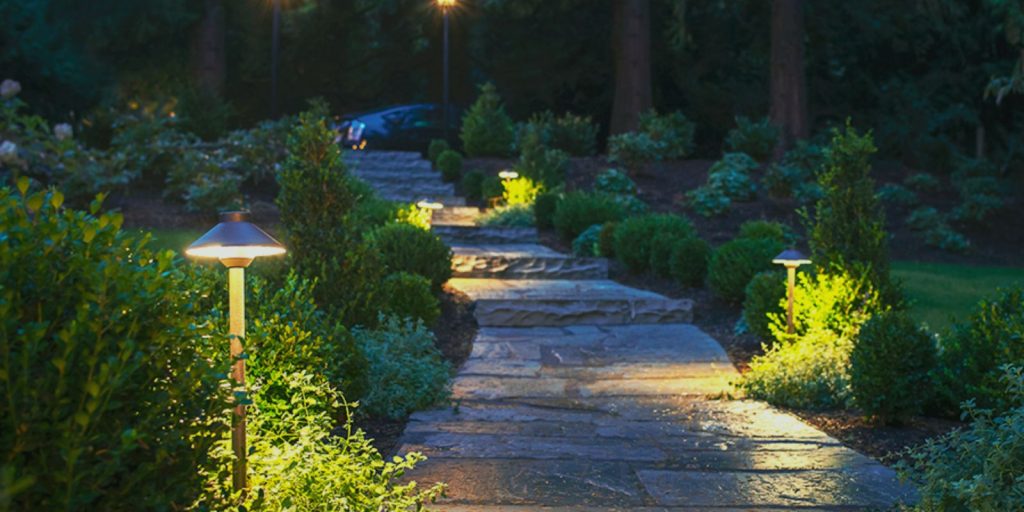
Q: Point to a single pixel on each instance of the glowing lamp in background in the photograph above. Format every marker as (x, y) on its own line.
(429, 204)
(791, 259)
(236, 242)
(508, 175)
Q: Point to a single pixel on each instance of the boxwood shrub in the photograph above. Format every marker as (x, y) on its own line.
(764, 296)
(450, 164)
(735, 263)
(634, 236)
(406, 248)
(409, 295)
(688, 263)
(544, 206)
(579, 210)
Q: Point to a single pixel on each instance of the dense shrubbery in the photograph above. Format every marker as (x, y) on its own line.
(978, 467)
(575, 135)
(897, 195)
(434, 150)
(729, 179)
(486, 128)
(661, 247)
(890, 367)
(634, 236)
(763, 297)
(613, 181)
(521, 191)
(104, 371)
(767, 229)
(577, 211)
(409, 295)
(661, 137)
(755, 138)
(586, 244)
(689, 260)
(544, 207)
(975, 349)
(735, 263)
(406, 248)
(519, 215)
(450, 164)
(606, 239)
(472, 184)
(796, 175)
(540, 163)
(405, 368)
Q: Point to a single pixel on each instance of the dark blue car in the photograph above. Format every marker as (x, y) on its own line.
(399, 127)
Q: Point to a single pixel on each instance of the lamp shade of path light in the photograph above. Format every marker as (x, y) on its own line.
(236, 242)
(791, 259)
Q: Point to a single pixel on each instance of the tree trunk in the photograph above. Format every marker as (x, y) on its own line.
(788, 78)
(632, 40)
(209, 49)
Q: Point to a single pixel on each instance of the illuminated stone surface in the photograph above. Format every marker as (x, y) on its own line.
(582, 394)
(455, 216)
(524, 261)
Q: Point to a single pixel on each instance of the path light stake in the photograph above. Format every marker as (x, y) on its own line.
(446, 6)
(236, 242)
(792, 259)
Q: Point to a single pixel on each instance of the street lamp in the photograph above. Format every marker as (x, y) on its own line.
(275, 47)
(508, 175)
(236, 242)
(791, 259)
(445, 6)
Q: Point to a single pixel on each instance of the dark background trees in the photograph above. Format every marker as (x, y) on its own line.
(915, 72)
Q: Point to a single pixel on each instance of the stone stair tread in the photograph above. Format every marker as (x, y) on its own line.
(508, 250)
(472, 235)
(531, 289)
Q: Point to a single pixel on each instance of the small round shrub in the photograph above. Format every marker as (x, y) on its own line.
(409, 296)
(634, 236)
(491, 188)
(735, 263)
(614, 181)
(579, 210)
(766, 229)
(890, 367)
(472, 184)
(436, 147)
(606, 240)
(486, 128)
(764, 296)
(688, 263)
(544, 206)
(450, 163)
(586, 244)
(519, 215)
(407, 248)
(755, 138)
(660, 261)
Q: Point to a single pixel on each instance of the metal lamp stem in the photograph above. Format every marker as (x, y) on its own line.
(445, 74)
(790, 285)
(236, 306)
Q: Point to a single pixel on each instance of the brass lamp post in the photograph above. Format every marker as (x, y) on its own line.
(791, 259)
(236, 242)
(446, 6)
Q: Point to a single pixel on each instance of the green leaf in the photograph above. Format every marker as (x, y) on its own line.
(57, 199)
(23, 183)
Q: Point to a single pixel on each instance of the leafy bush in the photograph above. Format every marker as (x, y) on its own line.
(472, 184)
(978, 467)
(297, 462)
(728, 180)
(520, 215)
(577, 211)
(977, 207)
(925, 218)
(833, 301)
(606, 239)
(755, 138)
(795, 175)
(521, 191)
(890, 367)
(406, 370)
(316, 200)
(633, 205)
(613, 181)
(436, 147)
(486, 128)
(848, 225)
(922, 182)
(633, 149)
(809, 371)
(203, 182)
(688, 263)
(409, 296)
(203, 114)
(945, 238)
(633, 237)
(586, 244)
(544, 206)
(576, 135)
(541, 163)
(450, 163)
(975, 349)
(661, 137)
(708, 201)
(765, 294)
(897, 195)
(660, 261)
(767, 229)
(405, 248)
(105, 373)
(491, 188)
(735, 263)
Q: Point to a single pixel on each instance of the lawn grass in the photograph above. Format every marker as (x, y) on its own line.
(941, 291)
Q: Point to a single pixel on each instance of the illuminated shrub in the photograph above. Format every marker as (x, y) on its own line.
(577, 211)
(890, 367)
(689, 260)
(735, 263)
(520, 191)
(634, 236)
(405, 248)
(409, 296)
(107, 375)
(486, 128)
(450, 164)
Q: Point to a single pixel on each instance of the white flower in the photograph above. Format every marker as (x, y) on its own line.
(8, 152)
(62, 131)
(9, 88)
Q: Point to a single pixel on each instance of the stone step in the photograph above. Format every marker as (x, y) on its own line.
(537, 302)
(523, 261)
(382, 155)
(396, 175)
(383, 168)
(448, 200)
(456, 216)
(414, 191)
(472, 235)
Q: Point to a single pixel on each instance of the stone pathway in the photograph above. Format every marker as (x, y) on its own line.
(584, 394)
